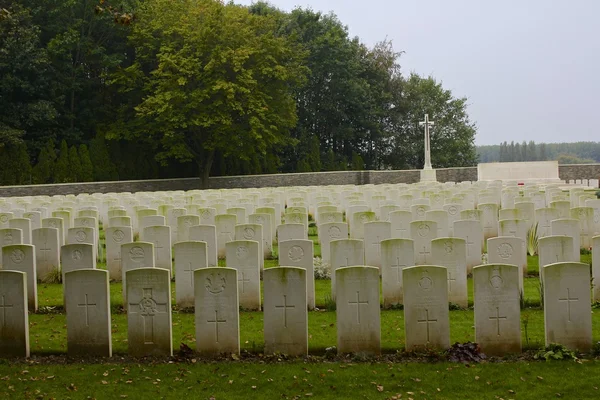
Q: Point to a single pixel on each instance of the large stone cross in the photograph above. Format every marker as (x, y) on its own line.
(427, 124)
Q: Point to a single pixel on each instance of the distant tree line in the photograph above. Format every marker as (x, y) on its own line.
(564, 153)
(132, 89)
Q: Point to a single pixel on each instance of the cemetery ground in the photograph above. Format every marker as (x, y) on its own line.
(323, 374)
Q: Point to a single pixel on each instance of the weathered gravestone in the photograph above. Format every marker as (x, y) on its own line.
(149, 331)
(452, 254)
(299, 253)
(570, 228)
(225, 224)
(189, 256)
(357, 310)
(290, 232)
(207, 234)
(400, 221)
(115, 237)
(47, 253)
(252, 232)
(489, 219)
(422, 233)
(217, 311)
(58, 224)
(374, 233)
(567, 305)
(87, 301)
(508, 250)
(264, 220)
(345, 253)
(329, 232)
(160, 237)
(243, 256)
(14, 324)
(285, 311)
(426, 315)
(396, 254)
(472, 233)
(83, 235)
(133, 256)
(497, 308)
(184, 223)
(358, 221)
(21, 257)
(554, 249)
(24, 225)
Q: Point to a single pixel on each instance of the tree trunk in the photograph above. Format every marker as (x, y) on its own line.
(204, 167)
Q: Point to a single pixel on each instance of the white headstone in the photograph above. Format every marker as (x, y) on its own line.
(375, 232)
(497, 308)
(422, 233)
(396, 254)
(357, 310)
(452, 254)
(189, 256)
(207, 234)
(149, 328)
(14, 324)
(299, 253)
(472, 233)
(87, 301)
(401, 220)
(160, 237)
(116, 236)
(24, 225)
(567, 305)
(570, 228)
(217, 311)
(426, 315)
(225, 224)
(329, 232)
(345, 253)
(243, 256)
(285, 311)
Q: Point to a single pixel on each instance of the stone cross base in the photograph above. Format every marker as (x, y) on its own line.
(428, 175)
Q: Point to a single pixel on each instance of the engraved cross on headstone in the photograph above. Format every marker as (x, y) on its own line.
(426, 321)
(4, 306)
(498, 318)
(147, 308)
(377, 243)
(569, 299)
(469, 244)
(87, 306)
(243, 279)
(285, 307)
(191, 271)
(217, 321)
(358, 304)
(424, 253)
(450, 280)
(45, 250)
(398, 268)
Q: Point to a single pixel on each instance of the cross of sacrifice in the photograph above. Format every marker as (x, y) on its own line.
(398, 268)
(216, 321)
(498, 318)
(569, 299)
(427, 124)
(358, 304)
(426, 321)
(285, 307)
(87, 306)
(243, 280)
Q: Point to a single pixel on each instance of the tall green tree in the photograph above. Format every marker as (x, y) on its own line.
(208, 78)
(452, 137)
(44, 170)
(104, 168)
(25, 71)
(74, 165)
(87, 169)
(61, 169)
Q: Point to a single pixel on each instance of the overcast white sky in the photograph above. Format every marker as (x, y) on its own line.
(528, 67)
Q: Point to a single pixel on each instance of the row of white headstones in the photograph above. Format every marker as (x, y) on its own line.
(370, 241)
